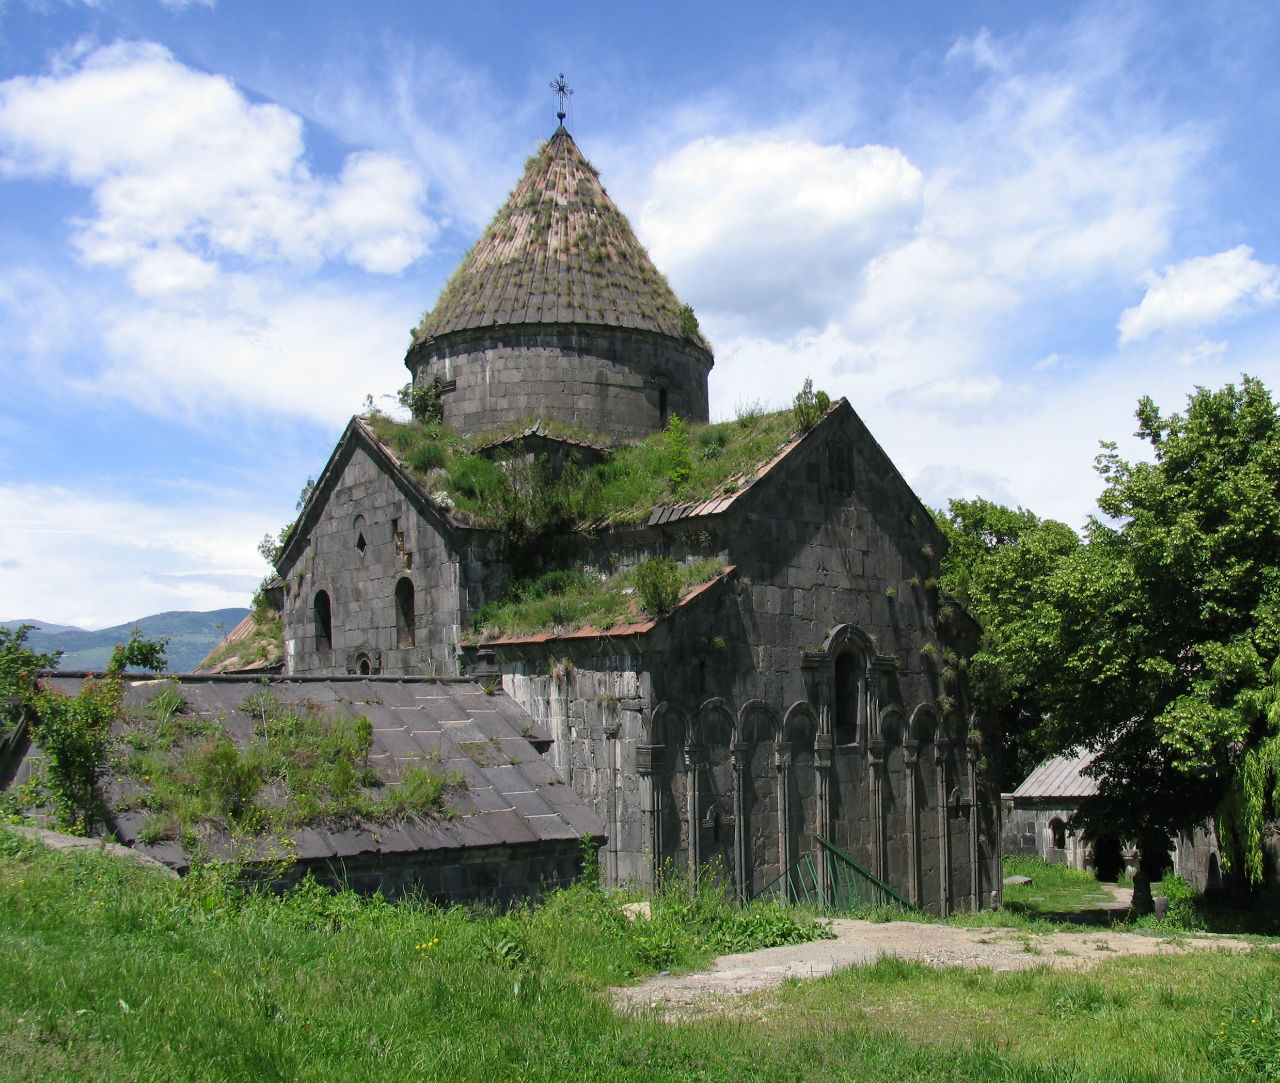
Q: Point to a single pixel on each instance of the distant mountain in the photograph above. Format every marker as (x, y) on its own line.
(40, 625)
(191, 635)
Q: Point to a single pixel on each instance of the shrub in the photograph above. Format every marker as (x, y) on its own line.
(810, 406)
(658, 584)
(228, 780)
(423, 401)
(476, 477)
(427, 457)
(679, 463)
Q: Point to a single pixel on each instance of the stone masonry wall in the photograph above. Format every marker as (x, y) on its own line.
(368, 538)
(1028, 830)
(752, 725)
(609, 380)
(490, 876)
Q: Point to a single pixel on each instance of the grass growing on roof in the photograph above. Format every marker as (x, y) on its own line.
(570, 599)
(304, 765)
(681, 464)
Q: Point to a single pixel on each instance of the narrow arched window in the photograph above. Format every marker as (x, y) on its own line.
(847, 698)
(1058, 830)
(324, 622)
(404, 614)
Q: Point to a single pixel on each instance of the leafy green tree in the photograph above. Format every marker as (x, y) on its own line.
(1154, 643)
(18, 666)
(996, 561)
(74, 732)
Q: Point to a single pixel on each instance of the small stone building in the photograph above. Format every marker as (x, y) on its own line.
(1037, 822)
(1037, 814)
(815, 687)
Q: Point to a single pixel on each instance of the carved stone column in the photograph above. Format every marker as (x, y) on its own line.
(823, 748)
(910, 758)
(649, 761)
(782, 762)
(975, 867)
(944, 828)
(739, 757)
(875, 776)
(867, 706)
(694, 757)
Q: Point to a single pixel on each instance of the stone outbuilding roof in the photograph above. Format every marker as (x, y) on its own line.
(559, 252)
(1060, 776)
(511, 796)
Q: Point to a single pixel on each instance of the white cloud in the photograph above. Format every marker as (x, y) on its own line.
(186, 173)
(774, 230)
(1200, 292)
(953, 394)
(253, 348)
(95, 561)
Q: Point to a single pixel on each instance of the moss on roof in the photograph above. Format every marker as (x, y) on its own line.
(559, 251)
(680, 465)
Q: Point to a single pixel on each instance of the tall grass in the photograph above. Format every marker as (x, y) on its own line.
(111, 974)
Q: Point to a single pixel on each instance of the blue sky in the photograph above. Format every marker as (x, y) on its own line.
(991, 226)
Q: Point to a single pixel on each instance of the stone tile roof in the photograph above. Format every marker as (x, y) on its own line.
(1061, 776)
(511, 794)
(559, 251)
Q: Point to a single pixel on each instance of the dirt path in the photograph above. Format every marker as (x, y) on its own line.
(863, 942)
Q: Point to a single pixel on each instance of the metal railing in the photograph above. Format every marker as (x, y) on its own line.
(849, 886)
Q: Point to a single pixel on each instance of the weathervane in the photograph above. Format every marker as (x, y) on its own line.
(561, 88)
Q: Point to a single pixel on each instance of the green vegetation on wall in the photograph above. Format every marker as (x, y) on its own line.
(569, 599)
(304, 765)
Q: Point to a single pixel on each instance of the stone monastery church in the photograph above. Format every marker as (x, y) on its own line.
(807, 701)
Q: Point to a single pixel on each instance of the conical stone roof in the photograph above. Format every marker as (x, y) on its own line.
(559, 251)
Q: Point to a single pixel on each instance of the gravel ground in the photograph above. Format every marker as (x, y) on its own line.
(862, 942)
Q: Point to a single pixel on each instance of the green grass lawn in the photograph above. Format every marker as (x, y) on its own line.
(1055, 890)
(108, 972)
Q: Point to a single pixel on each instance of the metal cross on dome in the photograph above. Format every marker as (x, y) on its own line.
(562, 89)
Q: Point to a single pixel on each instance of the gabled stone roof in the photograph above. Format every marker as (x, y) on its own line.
(559, 251)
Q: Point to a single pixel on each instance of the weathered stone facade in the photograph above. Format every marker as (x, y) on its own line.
(376, 577)
(816, 687)
(805, 691)
(619, 381)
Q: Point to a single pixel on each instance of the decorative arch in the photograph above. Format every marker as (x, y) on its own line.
(890, 726)
(799, 722)
(712, 789)
(757, 723)
(663, 780)
(715, 723)
(666, 726)
(923, 724)
(848, 671)
(847, 637)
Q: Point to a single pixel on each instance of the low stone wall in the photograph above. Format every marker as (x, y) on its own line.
(497, 876)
